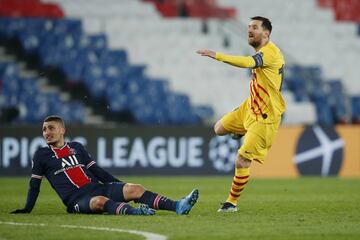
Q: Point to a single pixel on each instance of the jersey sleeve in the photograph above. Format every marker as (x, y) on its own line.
(37, 173)
(37, 170)
(238, 61)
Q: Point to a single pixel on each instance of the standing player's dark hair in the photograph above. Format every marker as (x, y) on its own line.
(266, 24)
(55, 118)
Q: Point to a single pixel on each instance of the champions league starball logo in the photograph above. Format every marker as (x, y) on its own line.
(222, 153)
(319, 152)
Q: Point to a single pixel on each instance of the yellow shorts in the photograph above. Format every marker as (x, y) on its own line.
(258, 136)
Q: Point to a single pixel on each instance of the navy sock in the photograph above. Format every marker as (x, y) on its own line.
(119, 208)
(156, 201)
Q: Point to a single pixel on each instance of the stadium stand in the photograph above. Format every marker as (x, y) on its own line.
(20, 90)
(193, 8)
(344, 10)
(139, 56)
(29, 8)
(105, 73)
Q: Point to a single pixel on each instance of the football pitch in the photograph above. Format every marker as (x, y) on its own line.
(305, 208)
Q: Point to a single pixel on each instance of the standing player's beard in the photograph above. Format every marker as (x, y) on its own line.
(254, 44)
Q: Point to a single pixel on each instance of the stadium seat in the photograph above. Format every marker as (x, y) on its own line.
(325, 3)
(355, 108)
(29, 8)
(87, 59)
(190, 8)
(323, 109)
(132, 46)
(25, 94)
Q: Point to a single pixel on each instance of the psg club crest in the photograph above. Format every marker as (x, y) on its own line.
(222, 153)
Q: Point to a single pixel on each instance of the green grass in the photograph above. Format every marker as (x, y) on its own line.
(305, 208)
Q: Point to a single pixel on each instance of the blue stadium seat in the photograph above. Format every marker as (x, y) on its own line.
(29, 86)
(49, 53)
(148, 113)
(204, 112)
(68, 26)
(73, 112)
(34, 105)
(12, 85)
(11, 27)
(72, 66)
(95, 80)
(8, 69)
(31, 36)
(119, 102)
(4, 25)
(134, 71)
(180, 110)
(335, 86)
(30, 41)
(158, 88)
(307, 84)
(106, 73)
(115, 57)
(337, 101)
(143, 114)
(323, 110)
(136, 85)
(98, 43)
(355, 109)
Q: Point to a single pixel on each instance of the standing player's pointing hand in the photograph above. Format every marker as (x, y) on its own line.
(207, 53)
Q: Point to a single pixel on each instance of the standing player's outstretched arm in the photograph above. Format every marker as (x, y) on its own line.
(33, 193)
(238, 61)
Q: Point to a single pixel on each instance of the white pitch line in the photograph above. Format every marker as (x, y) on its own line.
(147, 235)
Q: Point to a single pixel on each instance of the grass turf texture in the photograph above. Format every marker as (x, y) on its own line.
(305, 208)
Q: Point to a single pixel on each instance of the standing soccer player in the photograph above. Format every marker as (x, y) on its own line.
(259, 116)
(84, 187)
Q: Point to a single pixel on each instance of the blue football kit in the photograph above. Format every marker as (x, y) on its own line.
(72, 173)
(76, 178)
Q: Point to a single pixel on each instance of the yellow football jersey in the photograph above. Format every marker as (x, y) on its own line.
(265, 100)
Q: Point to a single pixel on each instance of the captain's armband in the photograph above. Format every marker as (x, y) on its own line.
(258, 58)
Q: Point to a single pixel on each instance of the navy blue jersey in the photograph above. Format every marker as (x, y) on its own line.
(70, 170)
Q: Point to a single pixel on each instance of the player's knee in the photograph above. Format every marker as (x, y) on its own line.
(97, 203)
(133, 191)
(242, 162)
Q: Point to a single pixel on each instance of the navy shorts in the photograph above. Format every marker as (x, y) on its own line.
(113, 191)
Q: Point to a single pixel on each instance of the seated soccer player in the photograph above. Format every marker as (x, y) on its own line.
(84, 187)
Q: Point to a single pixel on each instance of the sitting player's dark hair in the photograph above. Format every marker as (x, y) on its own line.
(266, 24)
(55, 118)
